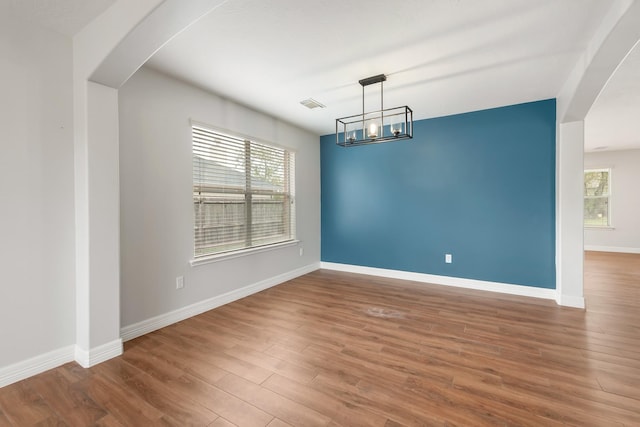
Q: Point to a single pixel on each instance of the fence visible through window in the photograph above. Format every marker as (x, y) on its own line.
(243, 193)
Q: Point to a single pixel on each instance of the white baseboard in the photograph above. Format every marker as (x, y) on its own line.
(35, 365)
(138, 329)
(99, 354)
(87, 358)
(619, 249)
(505, 288)
(570, 301)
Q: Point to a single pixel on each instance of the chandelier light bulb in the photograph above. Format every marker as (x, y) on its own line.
(373, 130)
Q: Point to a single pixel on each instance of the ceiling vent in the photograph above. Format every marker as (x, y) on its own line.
(312, 103)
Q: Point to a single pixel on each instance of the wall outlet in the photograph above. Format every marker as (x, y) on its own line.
(179, 282)
(301, 250)
(448, 259)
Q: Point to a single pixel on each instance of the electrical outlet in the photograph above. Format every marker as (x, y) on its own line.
(179, 282)
(448, 259)
(301, 250)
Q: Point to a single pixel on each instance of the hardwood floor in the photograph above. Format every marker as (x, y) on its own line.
(336, 349)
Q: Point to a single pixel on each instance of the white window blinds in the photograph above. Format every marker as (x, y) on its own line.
(243, 193)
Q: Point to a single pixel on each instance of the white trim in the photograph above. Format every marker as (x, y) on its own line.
(240, 253)
(570, 301)
(99, 354)
(36, 365)
(619, 249)
(138, 329)
(599, 227)
(505, 288)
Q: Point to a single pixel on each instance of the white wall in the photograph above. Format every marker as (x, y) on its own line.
(37, 294)
(569, 205)
(625, 202)
(156, 196)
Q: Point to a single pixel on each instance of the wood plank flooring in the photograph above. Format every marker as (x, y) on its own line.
(336, 349)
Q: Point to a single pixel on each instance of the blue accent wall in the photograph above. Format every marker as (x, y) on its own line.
(480, 186)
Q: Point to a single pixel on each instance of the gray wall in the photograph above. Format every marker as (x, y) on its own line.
(37, 295)
(156, 196)
(624, 236)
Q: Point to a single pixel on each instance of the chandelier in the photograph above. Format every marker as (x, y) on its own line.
(374, 127)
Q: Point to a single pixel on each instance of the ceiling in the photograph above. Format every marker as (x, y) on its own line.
(441, 57)
(613, 123)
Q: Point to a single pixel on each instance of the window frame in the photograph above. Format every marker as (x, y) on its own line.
(609, 225)
(288, 194)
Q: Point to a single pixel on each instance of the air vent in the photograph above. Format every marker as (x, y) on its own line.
(311, 103)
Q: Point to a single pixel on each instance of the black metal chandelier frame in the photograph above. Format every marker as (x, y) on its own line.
(374, 127)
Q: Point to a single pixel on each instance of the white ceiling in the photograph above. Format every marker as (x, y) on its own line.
(613, 123)
(441, 56)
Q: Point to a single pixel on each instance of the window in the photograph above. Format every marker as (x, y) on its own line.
(243, 193)
(597, 193)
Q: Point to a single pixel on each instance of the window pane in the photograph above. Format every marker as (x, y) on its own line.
(270, 218)
(220, 223)
(596, 198)
(267, 168)
(242, 193)
(596, 183)
(596, 211)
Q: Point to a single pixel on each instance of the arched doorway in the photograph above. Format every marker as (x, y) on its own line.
(129, 34)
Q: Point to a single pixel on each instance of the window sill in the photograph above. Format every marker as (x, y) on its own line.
(599, 227)
(244, 252)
